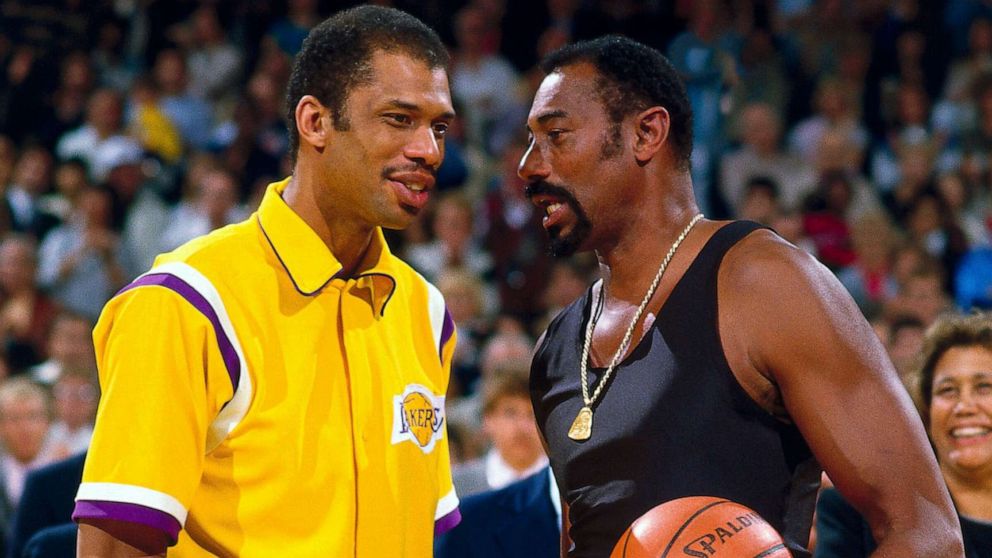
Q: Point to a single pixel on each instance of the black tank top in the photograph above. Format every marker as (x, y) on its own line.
(673, 422)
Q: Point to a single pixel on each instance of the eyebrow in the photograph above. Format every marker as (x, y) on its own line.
(979, 375)
(551, 115)
(405, 105)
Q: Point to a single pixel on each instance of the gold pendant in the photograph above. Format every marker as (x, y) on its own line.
(582, 426)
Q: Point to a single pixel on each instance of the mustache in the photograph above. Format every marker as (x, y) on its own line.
(412, 167)
(543, 187)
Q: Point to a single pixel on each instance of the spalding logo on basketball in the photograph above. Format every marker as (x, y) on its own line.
(701, 527)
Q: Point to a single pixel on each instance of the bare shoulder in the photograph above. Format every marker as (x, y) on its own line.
(778, 302)
(764, 260)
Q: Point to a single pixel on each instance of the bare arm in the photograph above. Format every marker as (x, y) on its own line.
(118, 539)
(785, 319)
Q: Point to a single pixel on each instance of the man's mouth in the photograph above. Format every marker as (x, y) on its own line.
(554, 208)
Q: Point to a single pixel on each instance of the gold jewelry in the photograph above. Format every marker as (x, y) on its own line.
(582, 426)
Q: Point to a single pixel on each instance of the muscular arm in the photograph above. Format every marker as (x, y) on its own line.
(786, 320)
(118, 539)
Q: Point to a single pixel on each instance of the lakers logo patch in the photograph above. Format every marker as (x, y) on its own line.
(418, 417)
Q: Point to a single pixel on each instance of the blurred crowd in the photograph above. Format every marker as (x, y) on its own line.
(859, 130)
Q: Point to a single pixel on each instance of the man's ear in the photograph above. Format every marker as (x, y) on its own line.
(651, 132)
(312, 122)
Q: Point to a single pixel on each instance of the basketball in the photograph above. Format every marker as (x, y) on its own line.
(700, 526)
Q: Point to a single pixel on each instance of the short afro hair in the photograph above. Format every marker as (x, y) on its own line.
(634, 77)
(336, 57)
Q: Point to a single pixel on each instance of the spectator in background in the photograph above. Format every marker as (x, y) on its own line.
(835, 111)
(973, 280)
(511, 233)
(138, 211)
(215, 64)
(83, 262)
(760, 201)
(67, 105)
(109, 55)
(930, 225)
(978, 139)
(32, 178)
(824, 220)
(149, 124)
(253, 142)
(46, 506)
(508, 346)
(908, 125)
(484, 83)
(453, 245)
(954, 387)
(69, 347)
(25, 415)
(103, 130)
(193, 116)
(704, 59)
(287, 33)
(761, 155)
(921, 295)
(508, 422)
(71, 177)
(966, 210)
(214, 204)
(8, 158)
(568, 280)
(869, 277)
(463, 292)
(76, 394)
(26, 314)
(905, 340)
(763, 80)
(836, 155)
(973, 64)
(20, 101)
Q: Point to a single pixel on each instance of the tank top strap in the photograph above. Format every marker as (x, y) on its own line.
(688, 320)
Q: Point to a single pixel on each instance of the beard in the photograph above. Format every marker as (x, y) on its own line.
(563, 245)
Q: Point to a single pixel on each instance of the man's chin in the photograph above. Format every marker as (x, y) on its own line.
(564, 246)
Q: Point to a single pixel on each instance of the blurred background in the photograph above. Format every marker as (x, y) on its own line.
(861, 131)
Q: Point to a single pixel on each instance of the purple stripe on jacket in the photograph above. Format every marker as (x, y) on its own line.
(448, 522)
(185, 290)
(131, 513)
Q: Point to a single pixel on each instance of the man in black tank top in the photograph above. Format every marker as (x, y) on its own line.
(713, 359)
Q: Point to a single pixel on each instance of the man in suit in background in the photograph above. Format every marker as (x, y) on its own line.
(48, 498)
(519, 521)
(508, 422)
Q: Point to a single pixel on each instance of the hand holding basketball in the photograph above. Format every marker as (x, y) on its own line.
(700, 526)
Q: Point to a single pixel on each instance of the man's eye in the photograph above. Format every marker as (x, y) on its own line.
(440, 129)
(555, 135)
(400, 119)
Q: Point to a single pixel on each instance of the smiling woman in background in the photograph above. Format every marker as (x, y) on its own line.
(956, 394)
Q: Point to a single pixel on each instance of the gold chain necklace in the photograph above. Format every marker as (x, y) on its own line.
(582, 425)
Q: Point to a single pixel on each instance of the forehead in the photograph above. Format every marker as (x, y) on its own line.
(397, 76)
(569, 91)
(960, 362)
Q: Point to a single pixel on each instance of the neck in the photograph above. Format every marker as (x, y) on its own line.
(347, 240)
(520, 464)
(972, 495)
(631, 262)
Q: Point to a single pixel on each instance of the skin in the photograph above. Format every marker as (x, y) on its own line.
(960, 419)
(782, 315)
(513, 430)
(345, 184)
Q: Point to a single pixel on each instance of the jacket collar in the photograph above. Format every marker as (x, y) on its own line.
(308, 261)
